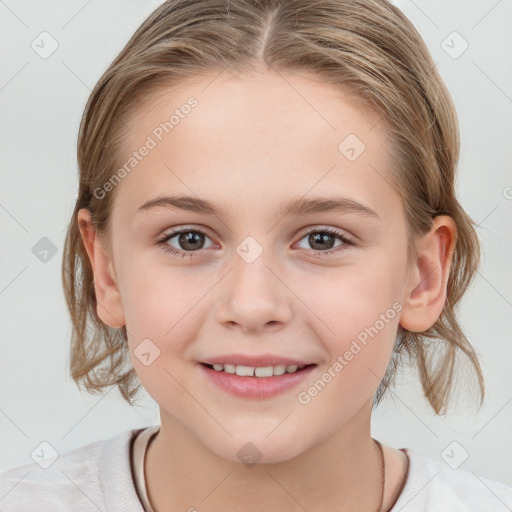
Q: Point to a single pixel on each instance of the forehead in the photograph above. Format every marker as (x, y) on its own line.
(256, 140)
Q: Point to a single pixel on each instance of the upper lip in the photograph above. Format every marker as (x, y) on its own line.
(254, 360)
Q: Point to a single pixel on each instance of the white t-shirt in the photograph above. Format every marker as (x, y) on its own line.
(105, 475)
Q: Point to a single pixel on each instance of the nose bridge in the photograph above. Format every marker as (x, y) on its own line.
(251, 273)
(255, 295)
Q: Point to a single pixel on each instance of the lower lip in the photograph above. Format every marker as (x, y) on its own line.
(256, 387)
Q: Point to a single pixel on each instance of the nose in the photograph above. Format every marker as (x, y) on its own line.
(254, 295)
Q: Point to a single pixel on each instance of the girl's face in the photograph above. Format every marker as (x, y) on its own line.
(250, 278)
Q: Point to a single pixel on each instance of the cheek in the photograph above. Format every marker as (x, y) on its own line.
(160, 311)
(160, 328)
(353, 297)
(157, 298)
(356, 315)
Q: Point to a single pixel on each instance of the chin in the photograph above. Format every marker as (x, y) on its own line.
(250, 449)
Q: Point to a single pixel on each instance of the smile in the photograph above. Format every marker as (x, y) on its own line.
(257, 371)
(255, 382)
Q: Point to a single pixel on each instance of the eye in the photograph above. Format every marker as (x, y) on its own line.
(322, 240)
(188, 241)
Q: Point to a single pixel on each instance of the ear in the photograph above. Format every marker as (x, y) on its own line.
(428, 280)
(108, 298)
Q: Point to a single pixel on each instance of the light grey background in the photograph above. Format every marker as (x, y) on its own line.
(41, 101)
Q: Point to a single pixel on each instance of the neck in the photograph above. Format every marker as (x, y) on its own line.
(341, 472)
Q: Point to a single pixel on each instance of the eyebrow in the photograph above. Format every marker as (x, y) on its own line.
(297, 207)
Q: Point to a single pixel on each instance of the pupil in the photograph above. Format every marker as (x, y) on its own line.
(190, 238)
(320, 239)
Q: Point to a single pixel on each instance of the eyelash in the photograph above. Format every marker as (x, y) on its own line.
(162, 242)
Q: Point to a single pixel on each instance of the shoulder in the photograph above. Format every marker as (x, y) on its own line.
(90, 478)
(434, 486)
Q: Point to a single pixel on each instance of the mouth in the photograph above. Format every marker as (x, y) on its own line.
(258, 371)
(255, 382)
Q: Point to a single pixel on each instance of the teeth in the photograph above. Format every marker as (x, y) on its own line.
(264, 371)
(259, 371)
(280, 369)
(245, 371)
(229, 368)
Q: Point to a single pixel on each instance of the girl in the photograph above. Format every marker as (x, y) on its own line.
(309, 151)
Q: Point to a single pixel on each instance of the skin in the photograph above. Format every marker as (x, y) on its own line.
(253, 144)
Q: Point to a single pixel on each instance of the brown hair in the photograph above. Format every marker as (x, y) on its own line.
(366, 47)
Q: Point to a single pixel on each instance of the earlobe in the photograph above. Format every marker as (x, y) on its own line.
(108, 298)
(427, 286)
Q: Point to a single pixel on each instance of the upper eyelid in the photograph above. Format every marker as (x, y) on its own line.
(176, 231)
